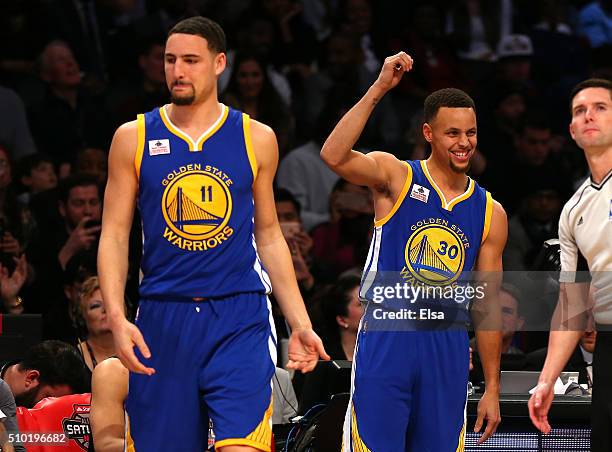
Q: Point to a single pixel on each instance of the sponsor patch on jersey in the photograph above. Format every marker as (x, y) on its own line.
(419, 193)
(157, 147)
(610, 213)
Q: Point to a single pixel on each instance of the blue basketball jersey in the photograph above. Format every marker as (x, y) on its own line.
(425, 239)
(196, 203)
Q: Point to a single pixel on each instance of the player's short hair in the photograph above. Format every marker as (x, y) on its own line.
(204, 27)
(447, 97)
(58, 364)
(590, 83)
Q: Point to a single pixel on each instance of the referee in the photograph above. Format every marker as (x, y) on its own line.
(585, 234)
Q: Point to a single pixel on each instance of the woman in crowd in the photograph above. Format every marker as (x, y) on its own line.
(98, 343)
(250, 91)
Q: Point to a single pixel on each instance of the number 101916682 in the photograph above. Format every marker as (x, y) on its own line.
(51, 438)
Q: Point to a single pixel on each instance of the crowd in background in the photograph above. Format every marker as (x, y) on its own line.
(71, 71)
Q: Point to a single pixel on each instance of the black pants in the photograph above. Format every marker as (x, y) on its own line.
(601, 403)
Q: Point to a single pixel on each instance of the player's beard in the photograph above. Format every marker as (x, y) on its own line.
(460, 169)
(27, 399)
(186, 99)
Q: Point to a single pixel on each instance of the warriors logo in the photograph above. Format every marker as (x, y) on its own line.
(197, 206)
(435, 254)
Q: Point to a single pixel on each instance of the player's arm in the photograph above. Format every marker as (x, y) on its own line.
(486, 314)
(109, 389)
(119, 204)
(374, 168)
(275, 256)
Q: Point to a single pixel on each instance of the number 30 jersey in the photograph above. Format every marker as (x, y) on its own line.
(196, 203)
(425, 239)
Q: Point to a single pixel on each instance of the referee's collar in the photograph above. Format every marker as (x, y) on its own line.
(605, 179)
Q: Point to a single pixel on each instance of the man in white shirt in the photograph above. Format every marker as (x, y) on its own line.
(585, 235)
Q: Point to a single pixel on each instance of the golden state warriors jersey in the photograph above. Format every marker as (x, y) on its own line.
(426, 240)
(196, 203)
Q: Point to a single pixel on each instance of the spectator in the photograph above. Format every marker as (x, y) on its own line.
(16, 227)
(257, 35)
(341, 243)
(79, 212)
(341, 313)
(92, 162)
(338, 321)
(534, 223)
(303, 173)
(250, 90)
(49, 369)
(98, 343)
(357, 20)
(69, 117)
(344, 75)
(128, 98)
(438, 66)
(477, 27)
(513, 358)
(581, 360)
(300, 243)
(11, 283)
(36, 174)
(534, 161)
(14, 128)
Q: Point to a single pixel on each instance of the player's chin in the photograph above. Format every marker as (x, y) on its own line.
(460, 167)
(182, 100)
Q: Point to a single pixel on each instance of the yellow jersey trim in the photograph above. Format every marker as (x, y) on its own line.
(213, 129)
(461, 445)
(488, 216)
(358, 444)
(140, 126)
(196, 145)
(260, 438)
(246, 127)
(129, 441)
(242, 442)
(400, 198)
(448, 205)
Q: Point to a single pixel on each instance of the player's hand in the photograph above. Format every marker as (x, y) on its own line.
(305, 348)
(393, 70)
(127, 335)
(539, 404)
(488, 409)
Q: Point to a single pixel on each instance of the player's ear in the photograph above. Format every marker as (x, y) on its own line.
(427, 132)
(220, 63)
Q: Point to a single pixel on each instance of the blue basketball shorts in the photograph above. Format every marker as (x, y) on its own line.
(409, 391)
(212, 359)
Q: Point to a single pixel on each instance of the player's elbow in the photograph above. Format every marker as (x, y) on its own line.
(331, 155)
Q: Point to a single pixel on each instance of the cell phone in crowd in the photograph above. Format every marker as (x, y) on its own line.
(290, 228)
(92, 223)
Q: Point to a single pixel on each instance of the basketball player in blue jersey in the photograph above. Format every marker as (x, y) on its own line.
(201, 175)
(433, 223)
